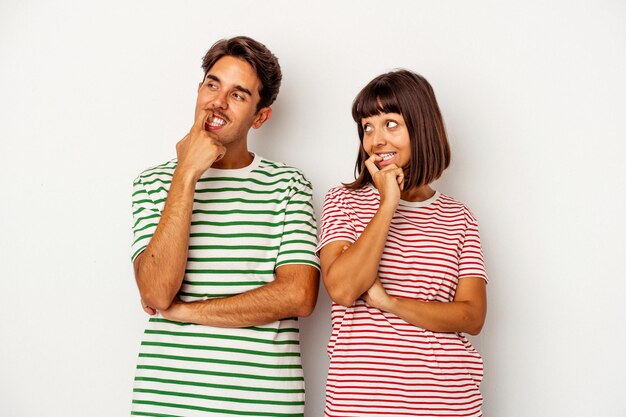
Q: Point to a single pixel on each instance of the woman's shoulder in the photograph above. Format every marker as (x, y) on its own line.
(452, 205)
(343, 192)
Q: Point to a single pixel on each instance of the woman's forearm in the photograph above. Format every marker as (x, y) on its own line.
(350, 272)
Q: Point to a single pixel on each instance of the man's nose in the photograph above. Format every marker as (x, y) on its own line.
(221, 101)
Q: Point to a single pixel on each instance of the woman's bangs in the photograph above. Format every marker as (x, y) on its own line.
(377, 99)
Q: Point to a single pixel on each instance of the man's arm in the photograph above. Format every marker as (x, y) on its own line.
(160, 268)
(293, 293)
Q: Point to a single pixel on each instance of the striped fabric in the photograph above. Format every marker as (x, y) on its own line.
(380, 365)
(245, 223)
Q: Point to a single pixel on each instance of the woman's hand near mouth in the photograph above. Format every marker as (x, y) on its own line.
(389, 181)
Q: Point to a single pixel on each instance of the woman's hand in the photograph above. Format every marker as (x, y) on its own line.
(389, 181)
(377, 297)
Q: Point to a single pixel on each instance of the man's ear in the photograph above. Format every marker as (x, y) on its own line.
(261, 117)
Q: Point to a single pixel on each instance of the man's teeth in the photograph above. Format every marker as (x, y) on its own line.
(216, 121)
(386, 156)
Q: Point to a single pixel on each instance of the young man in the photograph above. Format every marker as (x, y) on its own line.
(224, 252)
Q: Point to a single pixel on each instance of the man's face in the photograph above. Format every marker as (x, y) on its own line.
(231, 90)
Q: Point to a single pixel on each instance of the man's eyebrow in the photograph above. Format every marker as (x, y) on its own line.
(237, 87)
(243, 90)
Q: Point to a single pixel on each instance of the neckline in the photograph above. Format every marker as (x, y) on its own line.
(424, 203)
(216, 172)
(421, 203)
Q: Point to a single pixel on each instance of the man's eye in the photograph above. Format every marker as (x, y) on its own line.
(392, 124)
(238, 96)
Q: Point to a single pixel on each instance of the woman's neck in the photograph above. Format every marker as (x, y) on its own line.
(420, 193)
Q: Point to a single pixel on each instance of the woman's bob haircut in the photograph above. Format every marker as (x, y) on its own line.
(410, 95)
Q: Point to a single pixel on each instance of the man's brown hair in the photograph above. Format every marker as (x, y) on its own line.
(410, 95)
(264, 63)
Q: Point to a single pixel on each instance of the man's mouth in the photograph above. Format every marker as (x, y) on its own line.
(215, 122)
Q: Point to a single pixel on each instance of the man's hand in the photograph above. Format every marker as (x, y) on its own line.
(151, 311)
(199, 149)
(173, 313)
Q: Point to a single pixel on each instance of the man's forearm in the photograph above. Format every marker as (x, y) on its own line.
(159, 270)
(287, 296)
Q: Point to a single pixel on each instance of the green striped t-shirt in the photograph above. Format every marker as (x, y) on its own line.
(245, 223)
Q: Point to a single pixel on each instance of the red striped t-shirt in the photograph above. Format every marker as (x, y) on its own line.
(380, 365)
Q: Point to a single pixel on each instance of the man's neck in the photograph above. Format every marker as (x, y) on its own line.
(234, 160)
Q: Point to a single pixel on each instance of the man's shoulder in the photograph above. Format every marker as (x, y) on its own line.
(163, 170)
(280, 170)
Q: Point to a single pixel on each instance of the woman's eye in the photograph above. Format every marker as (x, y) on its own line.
(367, 128)
(392, 124)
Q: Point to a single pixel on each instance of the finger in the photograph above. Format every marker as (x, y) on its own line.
(201, 119)
(370, 164)
(395, 170)
(398, 173)
(221, 153)
(390, 167)
(364, 298)
(400, 178)
(181, 142)
(151, 311)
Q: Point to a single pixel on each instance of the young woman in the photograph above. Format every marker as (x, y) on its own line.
(403, 265)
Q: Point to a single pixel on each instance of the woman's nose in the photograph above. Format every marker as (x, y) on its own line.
(379, 139)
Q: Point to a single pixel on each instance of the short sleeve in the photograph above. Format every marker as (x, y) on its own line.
(336, 223)
(471, 262)
(299, 235)
(146, 215)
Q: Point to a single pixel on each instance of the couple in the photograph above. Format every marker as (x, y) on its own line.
(226, 252)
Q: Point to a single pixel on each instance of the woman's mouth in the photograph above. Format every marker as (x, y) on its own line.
(387, 156)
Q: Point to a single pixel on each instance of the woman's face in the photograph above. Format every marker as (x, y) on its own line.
(387, 136)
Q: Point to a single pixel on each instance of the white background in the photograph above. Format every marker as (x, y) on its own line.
(533, 97)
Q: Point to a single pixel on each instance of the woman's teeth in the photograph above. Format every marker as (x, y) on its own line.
(386, 156)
